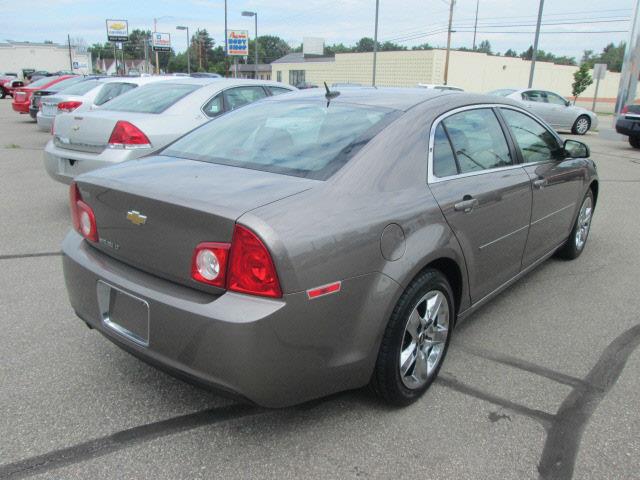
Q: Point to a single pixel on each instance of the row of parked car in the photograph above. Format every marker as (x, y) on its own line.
(98, 121)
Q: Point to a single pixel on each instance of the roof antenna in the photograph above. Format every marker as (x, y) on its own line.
(329, 95)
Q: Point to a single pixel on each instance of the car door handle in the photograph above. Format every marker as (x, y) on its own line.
(540, 183)
(466, 205)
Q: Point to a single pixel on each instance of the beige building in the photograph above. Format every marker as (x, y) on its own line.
(51, 57)
(475, 72)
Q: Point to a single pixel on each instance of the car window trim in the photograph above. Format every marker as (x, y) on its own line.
(431, 178)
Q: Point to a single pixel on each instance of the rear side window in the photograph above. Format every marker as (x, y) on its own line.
(444, 161)
(239, 96)
(277, 90)
(477, 140)
(535, 96)
(154, 98)
(112, 90)
(536, 143)
(214, 107)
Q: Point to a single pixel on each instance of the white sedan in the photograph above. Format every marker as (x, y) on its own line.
(556, 110)
(143, 121)
(88, 95)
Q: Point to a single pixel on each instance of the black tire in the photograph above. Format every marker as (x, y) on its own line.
(3, 93)
(634, 141)
(386, 381)
(570, 250)
(576, 129)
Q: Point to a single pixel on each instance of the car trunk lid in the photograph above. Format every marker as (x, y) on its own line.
(152, 213)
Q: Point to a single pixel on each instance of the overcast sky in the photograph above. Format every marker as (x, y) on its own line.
(506, 24)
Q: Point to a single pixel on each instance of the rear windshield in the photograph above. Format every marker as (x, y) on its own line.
(154, 98)
(301, 138)
(502, 92)
(64, 84)
(42, 81)
(81, 88)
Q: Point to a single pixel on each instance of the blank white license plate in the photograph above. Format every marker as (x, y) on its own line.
(49, 110)
(124, 313)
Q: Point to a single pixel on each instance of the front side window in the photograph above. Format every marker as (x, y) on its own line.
(153, 98)
(301, 138)
(556, 99)
(534, 96)
(478, 140)
(536, 143)
(240, 96)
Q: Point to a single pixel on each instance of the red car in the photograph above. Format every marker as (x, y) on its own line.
(8, 83)
(22, 95)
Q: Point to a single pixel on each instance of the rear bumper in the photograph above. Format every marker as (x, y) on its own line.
(274, 352)
(629, 127)
(44, 122)
(20, 107)
(64, 165)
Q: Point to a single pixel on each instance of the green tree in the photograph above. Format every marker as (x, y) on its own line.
(581, 80)
(485, 47)
(391, 47)
(331, 50)
(510, 53)
(365, 44)
(423, 46)
(134, 48)
(272, 47)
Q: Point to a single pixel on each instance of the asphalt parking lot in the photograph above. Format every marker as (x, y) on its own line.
(542, 382)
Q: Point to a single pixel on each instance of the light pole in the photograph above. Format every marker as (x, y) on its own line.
(375, 46)
(180, 27)
(535, 44)
(254, 14)
(446, 58)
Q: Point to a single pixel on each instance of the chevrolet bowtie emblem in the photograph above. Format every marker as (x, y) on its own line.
(136, 217)
(75, 128)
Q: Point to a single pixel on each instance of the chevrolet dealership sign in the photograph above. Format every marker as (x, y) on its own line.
(117, 30)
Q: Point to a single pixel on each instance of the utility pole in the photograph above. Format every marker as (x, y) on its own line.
(256, 46)
(535, 44)
(155, 29)
(70, 58)
(446, 60)
(375, 45)
(630, 65)
(475, 25)
(226, 55)
(115, 57)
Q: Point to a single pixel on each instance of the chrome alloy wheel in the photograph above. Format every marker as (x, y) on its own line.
(424, 339)
(582, 125)
(584, 223)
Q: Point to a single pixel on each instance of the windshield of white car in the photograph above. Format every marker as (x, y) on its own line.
(300, 138)
(154, 98)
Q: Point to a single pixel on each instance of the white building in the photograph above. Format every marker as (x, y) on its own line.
(51, 57)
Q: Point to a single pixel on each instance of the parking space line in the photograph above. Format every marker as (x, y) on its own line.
(123, 439)
(30, 255)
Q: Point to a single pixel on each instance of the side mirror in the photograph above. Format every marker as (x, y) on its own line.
(567, 103)
(576, 149)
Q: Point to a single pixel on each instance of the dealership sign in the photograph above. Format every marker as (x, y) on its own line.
(161, 42)
(238, 42)
(117, 30)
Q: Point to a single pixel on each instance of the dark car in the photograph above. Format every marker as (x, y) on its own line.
(628, 123)
(310, 243)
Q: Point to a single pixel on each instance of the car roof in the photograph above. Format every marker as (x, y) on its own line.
(387, 97)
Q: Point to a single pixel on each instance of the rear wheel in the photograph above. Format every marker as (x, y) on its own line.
(634, 141)
(3, 93)
(416, 340)
(576, 242)
(581, 125)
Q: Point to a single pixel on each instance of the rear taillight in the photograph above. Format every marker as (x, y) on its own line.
(68, 106)
(209, 264)
(625, 109)
(127, 135)
(251, 269)
(244, 266)
(84, 220)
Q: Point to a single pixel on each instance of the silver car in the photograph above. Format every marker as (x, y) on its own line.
(308, 244)
(143, 121)
(556, 110)
(88, 95)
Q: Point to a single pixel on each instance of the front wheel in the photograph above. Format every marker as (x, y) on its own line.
(634, 141)
(581, 125)
(416, 340)
(576, 242)
(3, 93)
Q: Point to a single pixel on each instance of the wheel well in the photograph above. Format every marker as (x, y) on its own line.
(594, 189)
(451, 270)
